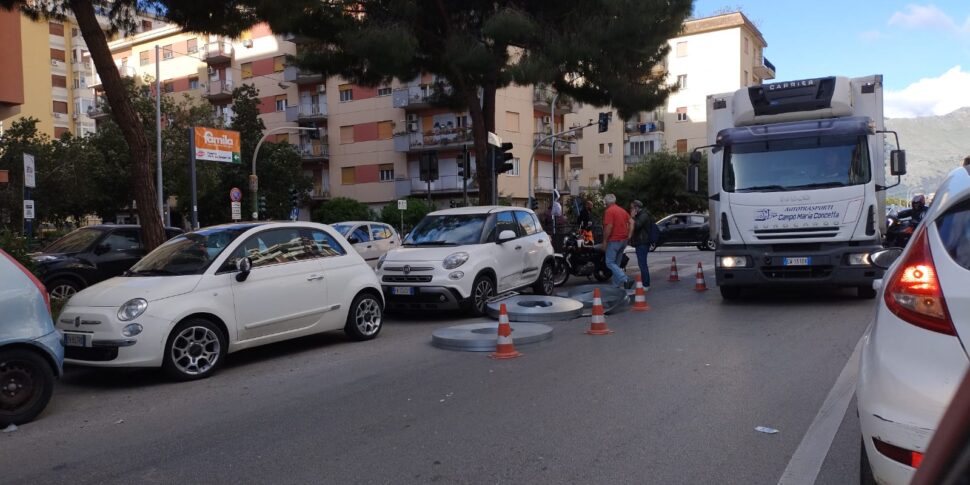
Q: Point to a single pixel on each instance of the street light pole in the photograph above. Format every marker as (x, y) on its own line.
(552, 109)
(536, 147)
(253, 184)
(158, 137)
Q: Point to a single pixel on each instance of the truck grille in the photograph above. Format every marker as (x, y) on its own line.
(796, 272)
(796, 233)
(406, 278)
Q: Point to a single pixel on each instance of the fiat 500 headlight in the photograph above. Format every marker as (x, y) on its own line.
(132, 309)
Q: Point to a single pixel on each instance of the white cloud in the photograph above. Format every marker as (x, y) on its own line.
(870, 36)
(930, 96)
(927, 17)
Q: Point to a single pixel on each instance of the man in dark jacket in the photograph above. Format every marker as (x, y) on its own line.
(640, 239)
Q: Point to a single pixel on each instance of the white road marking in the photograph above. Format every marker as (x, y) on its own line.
(807, 461)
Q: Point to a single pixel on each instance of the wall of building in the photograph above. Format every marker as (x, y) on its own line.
(12, 60)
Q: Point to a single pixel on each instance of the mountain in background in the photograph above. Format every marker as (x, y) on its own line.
(934, 145)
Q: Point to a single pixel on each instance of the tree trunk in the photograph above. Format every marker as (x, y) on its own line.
(483, 169)
(123, 111)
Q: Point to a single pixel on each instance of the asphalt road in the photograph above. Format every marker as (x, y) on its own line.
(673, 396)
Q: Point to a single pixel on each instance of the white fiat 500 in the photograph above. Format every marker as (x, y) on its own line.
(914, 354)
(460, 258)
(220, 289)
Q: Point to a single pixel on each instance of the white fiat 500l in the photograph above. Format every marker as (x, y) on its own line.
(460, 258)
(914, 354)
(220, 289)
(370, 239)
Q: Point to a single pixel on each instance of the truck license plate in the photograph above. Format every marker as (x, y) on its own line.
(75, 339)
(402, 290)
(798, 261)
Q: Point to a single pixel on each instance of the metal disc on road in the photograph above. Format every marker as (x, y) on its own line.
(614, 298)
(481, 337)
(537, 308)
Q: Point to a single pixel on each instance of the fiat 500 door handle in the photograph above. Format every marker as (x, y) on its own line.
(314, 277)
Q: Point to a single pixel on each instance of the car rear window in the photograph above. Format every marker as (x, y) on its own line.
(954, 227)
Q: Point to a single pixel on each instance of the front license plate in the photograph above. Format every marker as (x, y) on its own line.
(76, 339)
(798, 261)
(402, 290)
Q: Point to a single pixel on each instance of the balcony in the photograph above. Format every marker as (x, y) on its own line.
(124, 71)
(563, 145)
(542, 100)
(446, 184)
(98, 112)
(314, 151)
(544, 184)
(418, 97)
(765, 69)
(293, 74)
(218, 90)
(433, 140)
(217, 52)
(224, 116)
(320, 192)
(306, 112)
(633, 127)
(82, 67)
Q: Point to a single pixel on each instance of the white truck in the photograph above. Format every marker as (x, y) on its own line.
(796, 181)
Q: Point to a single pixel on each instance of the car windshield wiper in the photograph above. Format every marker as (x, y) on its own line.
(763, 188)
(430, 243)
(149, 272)
(819, 185)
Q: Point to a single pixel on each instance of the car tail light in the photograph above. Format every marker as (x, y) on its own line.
(914, 293)
(901, 455)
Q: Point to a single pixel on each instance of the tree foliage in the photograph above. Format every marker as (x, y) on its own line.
(342, 209)
(660, 182)
(417, 209)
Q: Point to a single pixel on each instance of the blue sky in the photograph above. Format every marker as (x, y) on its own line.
(922, 49)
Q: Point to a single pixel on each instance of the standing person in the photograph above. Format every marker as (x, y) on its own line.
(640, 238)
(616, 233)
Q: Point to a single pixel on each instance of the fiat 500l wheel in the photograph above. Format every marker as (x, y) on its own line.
(195, 349)
(365, 318)
(483, 289)
(26, 384)
(546, 283)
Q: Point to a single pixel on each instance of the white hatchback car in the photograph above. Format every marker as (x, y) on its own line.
(914, 354)
(370, 239)
(460, 258)
(220, 289)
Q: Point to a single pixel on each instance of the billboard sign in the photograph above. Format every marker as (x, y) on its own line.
(216, 145)
(30, 172)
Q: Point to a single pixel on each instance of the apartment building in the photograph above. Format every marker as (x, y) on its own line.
(712, 55)
(48, 73)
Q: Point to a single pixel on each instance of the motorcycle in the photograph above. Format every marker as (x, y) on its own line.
(580, 258)
(898, 232)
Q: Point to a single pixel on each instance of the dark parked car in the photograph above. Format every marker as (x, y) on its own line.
(685, 230)
(90, 255)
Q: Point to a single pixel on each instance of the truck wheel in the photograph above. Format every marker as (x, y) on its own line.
(866, 292)
(26, 385)
(730, 292)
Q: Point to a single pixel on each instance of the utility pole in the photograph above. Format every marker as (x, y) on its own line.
(539, 143)
(466, 167)
(158, 138)
(552, 109)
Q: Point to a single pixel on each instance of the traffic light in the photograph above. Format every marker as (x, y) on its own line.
(501, 157)
(428, 164)
(534, 205)
(294, 198)
(460, 160)
(604, 122)
(452, 204)
(262, 204)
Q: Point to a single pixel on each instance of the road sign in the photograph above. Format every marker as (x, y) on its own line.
(402, 205)
(30, 174)
(253, 183)
(295, 214)
(235, 195)
(28, 209)
(236, 210)
(217, 145)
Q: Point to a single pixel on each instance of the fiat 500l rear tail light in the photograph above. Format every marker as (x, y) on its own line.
(914, 293)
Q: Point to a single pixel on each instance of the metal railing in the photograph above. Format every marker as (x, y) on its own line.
(444, 183)
(217, 50)
(314, 150)
(440, 138)
(219, 88)
(562, 146)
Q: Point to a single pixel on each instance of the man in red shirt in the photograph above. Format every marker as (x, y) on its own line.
(616, 233)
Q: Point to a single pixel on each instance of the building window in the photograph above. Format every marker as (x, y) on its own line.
(640, 148)
(74, 32)
(515, 168)
(279, 62)
(383, 91)
(387, 172)
(348, 176)
(461, 121)
(143, 58)
(385, 130)
(77, 82)
(57, 55)
(744, 79)
(60, 107)
(745, 45)
(609, 148)
(602, 149)
(146, 25)
(56, 29)
(682, 49)
(602, 178)
(682, 114)
(346, 93)
(192, 46)
(682, 81)
(681, 146)
(168, 87)
(193, 83)
(512, 121)
(58, 81)
(281, 102)
(247, 70)
(167, 52)
(346, 134)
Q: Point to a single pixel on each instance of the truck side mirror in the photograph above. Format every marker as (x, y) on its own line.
(694, 177)
(897, 162)
(695, 157)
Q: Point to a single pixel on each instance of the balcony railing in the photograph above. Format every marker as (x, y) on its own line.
(320, 192)
(544, 184)
(97, 112)
(124, 71)
(306, 112)
(218, 89)
(444, 184)
(311, 151)
(216, 52)
(542, 97)
(418, 96)
(293, 74)
(563, 146)
(764, 69)
(633, 127)
(447, 137)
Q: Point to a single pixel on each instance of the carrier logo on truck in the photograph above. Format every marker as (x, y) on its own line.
(804, 83)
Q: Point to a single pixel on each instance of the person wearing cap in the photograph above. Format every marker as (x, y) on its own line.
(640, 239)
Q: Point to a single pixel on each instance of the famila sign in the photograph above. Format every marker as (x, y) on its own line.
(217, 145)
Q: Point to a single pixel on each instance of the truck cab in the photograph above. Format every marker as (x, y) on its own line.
(797, 183)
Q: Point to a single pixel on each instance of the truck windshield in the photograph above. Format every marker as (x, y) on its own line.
(806, 163)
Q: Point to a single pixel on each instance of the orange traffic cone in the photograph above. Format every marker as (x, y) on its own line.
(673, 270)
(699, 284)
(504, 348)
(640, 298)
(597, 325)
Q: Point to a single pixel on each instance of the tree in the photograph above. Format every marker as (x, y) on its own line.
(342, 209)
(660, 182)
(594, 51)
(121, 14)
(417, 209)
